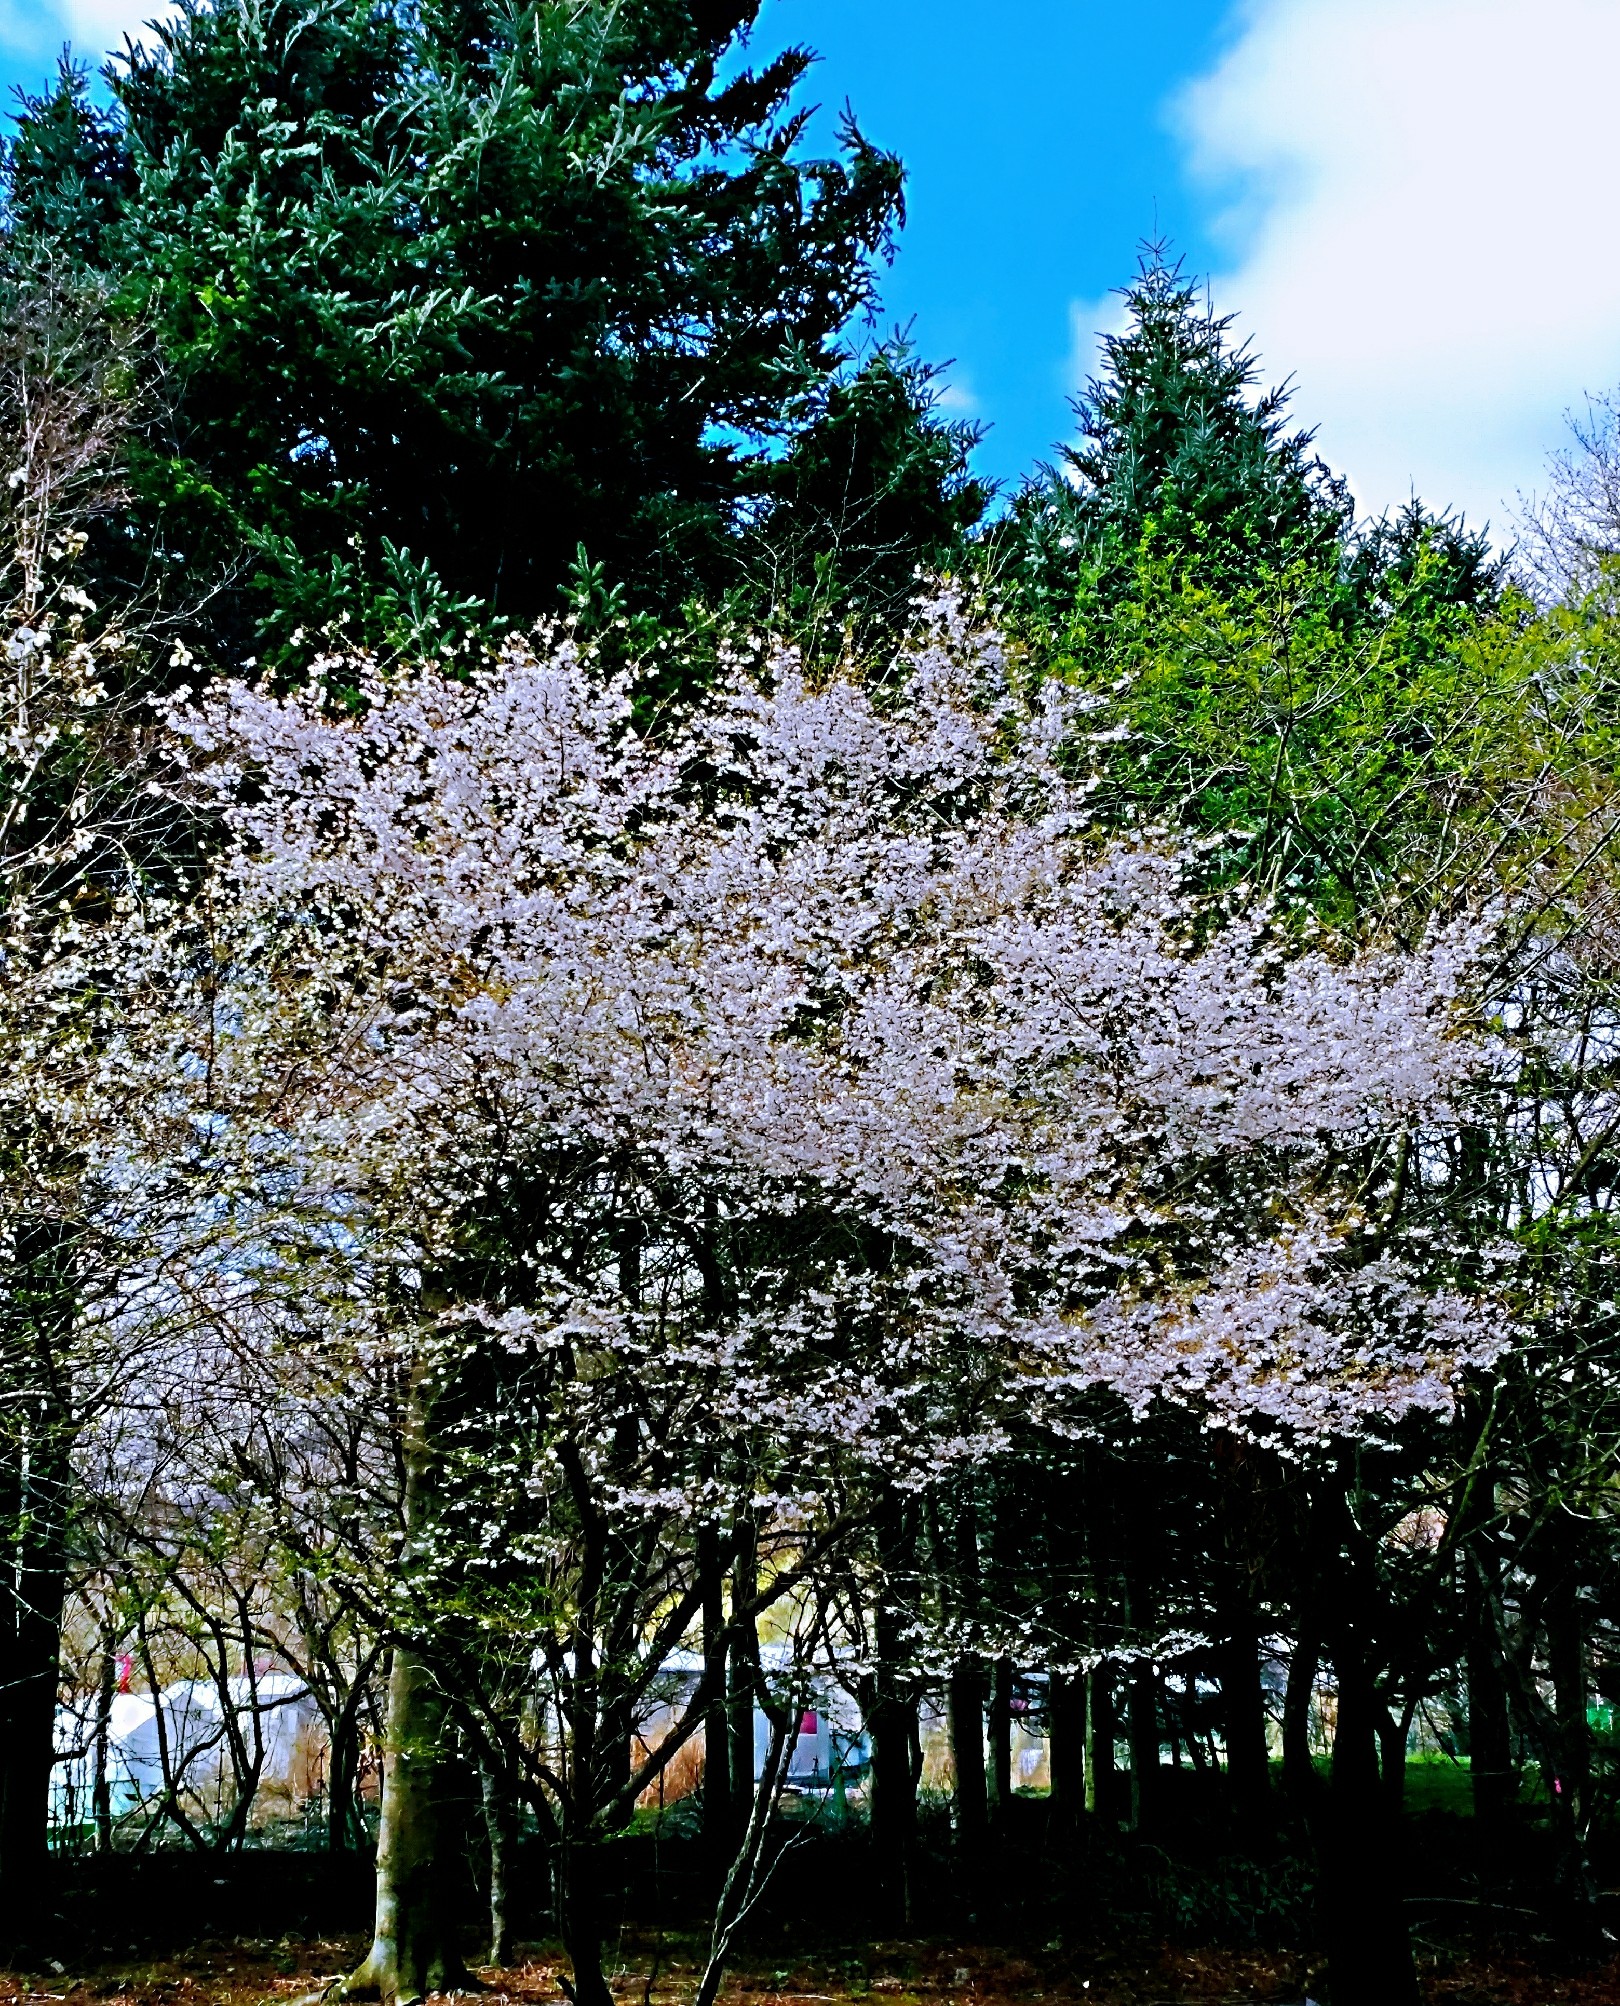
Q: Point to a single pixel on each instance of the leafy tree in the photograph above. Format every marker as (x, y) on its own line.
(447, 291)
(1351, 756)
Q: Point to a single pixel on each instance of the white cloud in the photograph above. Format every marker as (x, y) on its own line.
(1423, 203)
(956, 395)
(97, 25)
(1090, 322)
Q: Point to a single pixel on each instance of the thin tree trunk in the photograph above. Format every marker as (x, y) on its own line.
(1238, 1473)
(498, 1832)
(741, 1670)
(750, 1869)
(1143, 1720)
(999, 1779)
(966, 1710)
(1003, 1566)
(893, 1724)
(1369, 1949)
(719, 1798)
(1566, 1665)
(1492, 1777)
(1299, 1771)
(579, 1907)
(1100, 1784)
(344, 1827)
(101, 1778)
(1141, 1544)
(1393, 1733)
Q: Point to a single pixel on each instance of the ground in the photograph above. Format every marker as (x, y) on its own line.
(899, 1974)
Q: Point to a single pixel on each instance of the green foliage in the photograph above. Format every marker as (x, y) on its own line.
(875, 488)
(1176, 447)
(67, 174)
(479, 282)
(1342, 711)
(1344, 753)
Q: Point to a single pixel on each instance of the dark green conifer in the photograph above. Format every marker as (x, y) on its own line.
(1177, 447)
(446, 291)
(875, 489)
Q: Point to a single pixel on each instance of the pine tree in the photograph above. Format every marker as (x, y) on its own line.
(1176, 445)
(445, 292)
(875, 487)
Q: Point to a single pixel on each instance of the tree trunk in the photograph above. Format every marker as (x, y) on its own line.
(411, 1953)
(894, 1805)
(892, 1721)
(1143, 1724)
(1566, 1664)
(742, 1669)
(36, 1563)
(1299, 1771)
(36, 1329)
(1369, 1949)
(590, 1782)
(999, 1782)
(1243, 1703)
(745, 1878)
(1066, 1705)
(966, 1709)
(498, 1832)
(1100, 1784)
(101, 1778)
(1358, 1843)
(345, 1828)
(1240, 1520)
(1492, 1778)
(580, 1916)
(1393, 1734)
(1141, 1542)
(965, 1698)
(719, 1798)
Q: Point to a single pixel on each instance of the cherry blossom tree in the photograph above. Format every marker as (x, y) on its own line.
(80, 1236)
(727, 1122)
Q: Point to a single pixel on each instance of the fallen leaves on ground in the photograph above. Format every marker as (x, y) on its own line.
(889, 1974)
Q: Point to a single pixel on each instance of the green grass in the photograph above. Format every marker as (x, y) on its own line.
(1433, 1783)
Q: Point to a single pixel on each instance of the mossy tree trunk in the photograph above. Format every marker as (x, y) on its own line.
(412, 1950)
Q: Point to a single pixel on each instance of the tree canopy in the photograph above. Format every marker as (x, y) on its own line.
(699, 1079)
(446, 293)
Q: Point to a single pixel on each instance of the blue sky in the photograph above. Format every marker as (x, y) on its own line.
(1409, 203)
(1039, 154)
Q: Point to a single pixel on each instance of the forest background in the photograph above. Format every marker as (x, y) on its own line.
(642, 1024)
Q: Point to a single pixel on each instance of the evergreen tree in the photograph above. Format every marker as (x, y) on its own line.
(447, 291)
(1178, 447)
(875, 488)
